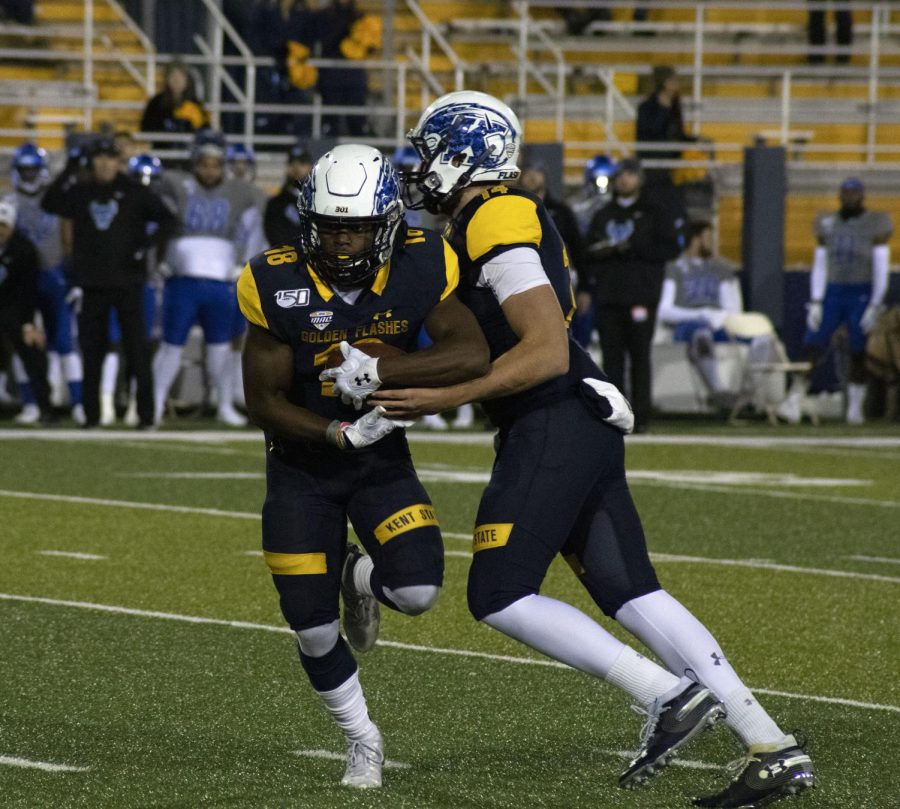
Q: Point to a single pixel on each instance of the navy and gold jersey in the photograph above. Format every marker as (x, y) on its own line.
(279, 292)
(501, 219)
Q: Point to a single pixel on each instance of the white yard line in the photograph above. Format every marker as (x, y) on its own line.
(46, 766)
(627, 755)
(91, 557)
(214, 437)
(733, 490)
(886, 559)
(100, 501)
(327, 754)
(246, 515)
(192, 619)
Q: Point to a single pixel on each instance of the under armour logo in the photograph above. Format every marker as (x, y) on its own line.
(718, 660)
(365, 378)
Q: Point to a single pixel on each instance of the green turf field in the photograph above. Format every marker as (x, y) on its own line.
(143, 663)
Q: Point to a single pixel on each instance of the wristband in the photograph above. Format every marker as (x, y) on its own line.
(334, 433)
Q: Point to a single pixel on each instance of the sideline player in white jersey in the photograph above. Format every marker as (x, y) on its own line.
(220, 227)
(30, 178)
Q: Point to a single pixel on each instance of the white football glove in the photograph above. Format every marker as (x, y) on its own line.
(622, 417)
(813, 315)
(870, 317)
(73, 299)
(356, 377)
(363, 432)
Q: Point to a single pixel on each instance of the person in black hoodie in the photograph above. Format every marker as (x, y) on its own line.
(108, 216)
(281, 222)
(628, 243)
(19, 274)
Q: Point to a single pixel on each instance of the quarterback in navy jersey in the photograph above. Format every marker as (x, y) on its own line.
(332, 316)
(558, 483)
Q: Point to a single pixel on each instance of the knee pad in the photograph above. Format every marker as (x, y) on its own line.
(415, 599)
(318, 641)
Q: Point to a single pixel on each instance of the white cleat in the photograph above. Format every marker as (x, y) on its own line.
(107, 410)
(29, 414)
(434, 422)
(230, 416)
(78, 415)
(365, 758)
(465, 417)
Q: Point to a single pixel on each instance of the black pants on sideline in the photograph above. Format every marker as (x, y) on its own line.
(93, 329)
(34, 359)
(624, 331)
(816, 33)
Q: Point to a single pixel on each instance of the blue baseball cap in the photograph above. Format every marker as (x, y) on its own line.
(852, 184)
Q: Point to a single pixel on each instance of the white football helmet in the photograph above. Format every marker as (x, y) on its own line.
(462, 138)
(351, 187)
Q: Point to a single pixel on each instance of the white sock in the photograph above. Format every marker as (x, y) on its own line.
(642, 678)
(686, 647)
(109, 374)
(749, 720)
(220, 373)
(564, 633)
(362, 575)
(856, 395)
(71, 365)
(237, 379)
(166, 365)
(709, 370)
(54, 369)
(347, 704)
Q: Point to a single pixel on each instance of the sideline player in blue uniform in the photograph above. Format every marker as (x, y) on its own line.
(848, 282)
(558, 483)
(356, 278)
(30, 178)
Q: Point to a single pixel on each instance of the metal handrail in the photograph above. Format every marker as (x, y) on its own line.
(429, 32)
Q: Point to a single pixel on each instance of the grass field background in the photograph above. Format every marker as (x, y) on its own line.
(160, 672)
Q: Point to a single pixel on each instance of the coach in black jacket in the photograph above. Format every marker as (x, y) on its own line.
(19, 274)
(282, 221)
(628, 243)
(108, 217)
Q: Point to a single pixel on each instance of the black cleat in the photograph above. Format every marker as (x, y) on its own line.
(362, 617)
(765, 775)
(670, 725)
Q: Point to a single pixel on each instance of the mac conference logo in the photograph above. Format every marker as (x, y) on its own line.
(288, 298)
(320, 319)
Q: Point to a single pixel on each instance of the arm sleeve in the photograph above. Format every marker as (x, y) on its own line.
(57, 198)
(881, 266)
(819, 275)
(512, 272)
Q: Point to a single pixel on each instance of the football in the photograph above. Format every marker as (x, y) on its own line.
(368, 345)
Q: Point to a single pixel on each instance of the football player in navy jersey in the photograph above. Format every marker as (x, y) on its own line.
(558, 483)
(356, 280)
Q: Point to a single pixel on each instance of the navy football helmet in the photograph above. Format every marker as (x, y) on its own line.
(145, 168)
(598, 173)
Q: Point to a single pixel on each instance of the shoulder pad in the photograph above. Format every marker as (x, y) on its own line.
(502, 219)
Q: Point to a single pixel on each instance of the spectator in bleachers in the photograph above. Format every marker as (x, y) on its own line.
(19, 274)
(346, 33)
(20, 11)
(282, 220)
(176, 108)
(660, 119)
(816, 34)
(108, 217)
(627, 245)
